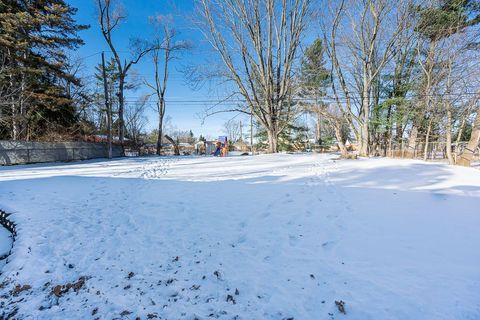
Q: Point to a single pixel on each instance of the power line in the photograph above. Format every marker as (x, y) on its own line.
(235, 102)
(231, 101)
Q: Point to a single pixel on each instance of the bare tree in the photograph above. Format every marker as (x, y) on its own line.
(257, 41)
(364, 32)
(232, 129)
(332, 114)
(111, 15)
(164, 51)
(431, 75)
(81, 94)
(135, 119)
(465, 158)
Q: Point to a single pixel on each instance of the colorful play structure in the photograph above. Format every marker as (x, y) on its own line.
(221, 147)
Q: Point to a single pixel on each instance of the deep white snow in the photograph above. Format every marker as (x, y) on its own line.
(5, 245)
(264, 237)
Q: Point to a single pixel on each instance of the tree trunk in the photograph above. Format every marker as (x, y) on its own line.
(272, 141)
(412, 142)
(364, 134)
(121, 105)
(109, 129)
(338, 136)
(21, 101)
(399, 126)
(159, 139)
(427, 140)
(449, 137)
(108, 107)
(319, 128)
(161, 114)
(465, 158)
(176, 149)
(15, 125)
(460, 132)
(14, 118)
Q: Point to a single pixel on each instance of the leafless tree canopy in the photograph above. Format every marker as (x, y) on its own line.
(258, 42)
(165, 48)
(111, 14)
(391, 77)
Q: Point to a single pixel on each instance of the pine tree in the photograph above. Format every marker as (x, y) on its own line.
(314, 75)
(314, 81)
(34, 38)
(450, 17)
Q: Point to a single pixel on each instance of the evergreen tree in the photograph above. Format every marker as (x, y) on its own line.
(314, 80)
(34, 38)
(450, 17)
(314, 76)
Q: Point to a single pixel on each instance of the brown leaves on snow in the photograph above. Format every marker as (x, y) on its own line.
(19, 289)
(341, 306)
(60, 290)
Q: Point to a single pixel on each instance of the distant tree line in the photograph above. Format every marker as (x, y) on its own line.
(385, 74)
(44, 94)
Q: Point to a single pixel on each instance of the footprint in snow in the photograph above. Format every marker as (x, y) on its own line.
(293, 240)
(242, 238)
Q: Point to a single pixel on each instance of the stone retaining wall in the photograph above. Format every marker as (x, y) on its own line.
(24, 152)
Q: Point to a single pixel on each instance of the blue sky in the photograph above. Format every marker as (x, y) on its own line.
(184, 115)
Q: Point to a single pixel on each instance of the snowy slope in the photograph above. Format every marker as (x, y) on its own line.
(264, 237)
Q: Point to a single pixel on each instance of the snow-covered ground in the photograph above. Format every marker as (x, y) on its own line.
(264, 237)
(5, 245)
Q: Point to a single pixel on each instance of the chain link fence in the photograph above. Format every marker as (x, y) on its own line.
(434, 151)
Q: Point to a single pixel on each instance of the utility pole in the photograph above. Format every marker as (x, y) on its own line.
(306, 133)
(241, 131)
(109, 109)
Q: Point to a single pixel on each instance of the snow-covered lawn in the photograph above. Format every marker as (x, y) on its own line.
(264, 237)
(5, 245)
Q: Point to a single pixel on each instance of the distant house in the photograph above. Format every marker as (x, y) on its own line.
(199, 146)
(149, 148)
(351, 146)
(103, 138)
(186, 148)
(205, 147)
(241, 146)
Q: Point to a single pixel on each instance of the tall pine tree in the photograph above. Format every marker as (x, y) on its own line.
(34, 38)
